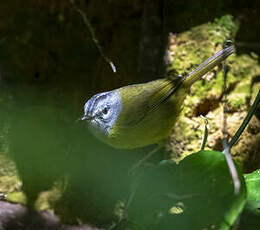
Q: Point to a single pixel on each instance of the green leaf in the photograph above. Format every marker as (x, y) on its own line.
(196, 194)
(250, 218)
(253, 191)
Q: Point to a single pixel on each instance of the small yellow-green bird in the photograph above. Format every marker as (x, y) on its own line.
(142, 114)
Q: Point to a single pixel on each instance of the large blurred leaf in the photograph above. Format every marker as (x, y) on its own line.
(196, 194)
(250, 219)
(253, 191)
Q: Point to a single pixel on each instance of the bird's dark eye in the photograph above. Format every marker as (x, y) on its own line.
(105, 111)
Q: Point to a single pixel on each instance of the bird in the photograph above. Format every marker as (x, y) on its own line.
(138, 115)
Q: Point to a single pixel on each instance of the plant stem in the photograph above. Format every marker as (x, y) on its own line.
(246, 121)
(226, 151)
(232, 167)
(93, 35)
(206, 133)
(227, 146)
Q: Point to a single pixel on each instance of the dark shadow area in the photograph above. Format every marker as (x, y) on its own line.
(99, 178)
(247, 39)
(183, 15)
(48, 144)
(249, 221)
(209, 104)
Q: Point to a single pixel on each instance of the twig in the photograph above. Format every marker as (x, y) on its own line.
(224, 129)
(246, 120)
(206, 133)
(93, 35)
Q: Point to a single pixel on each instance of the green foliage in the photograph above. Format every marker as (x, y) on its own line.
(253, 191)
(196, 194)
(200, 42)
(17, 197)
(9, 180)
(221, 28)
(250, 218)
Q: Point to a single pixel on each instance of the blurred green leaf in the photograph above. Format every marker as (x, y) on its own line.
(196, 194)
(253, 191)
(250, 218)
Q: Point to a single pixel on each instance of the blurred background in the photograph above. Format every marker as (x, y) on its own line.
(50, 65)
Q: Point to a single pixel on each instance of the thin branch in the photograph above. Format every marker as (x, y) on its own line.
(224, 100)
(206, 133)
(246, 121)
(93, 35)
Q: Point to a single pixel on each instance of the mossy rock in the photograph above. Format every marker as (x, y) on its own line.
(186, 51)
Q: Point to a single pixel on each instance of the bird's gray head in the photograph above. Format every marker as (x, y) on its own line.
(101, 111)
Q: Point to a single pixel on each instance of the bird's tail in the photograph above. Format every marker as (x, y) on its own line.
(208, 65)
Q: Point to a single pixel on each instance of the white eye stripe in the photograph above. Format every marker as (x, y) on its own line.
(93, 105)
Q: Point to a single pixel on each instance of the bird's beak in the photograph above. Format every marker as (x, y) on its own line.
(88, 118)
(83, 118)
